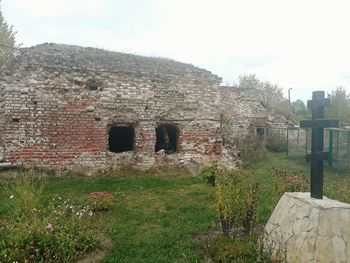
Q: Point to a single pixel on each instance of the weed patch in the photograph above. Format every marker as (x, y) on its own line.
(33, 229)
(158, 215)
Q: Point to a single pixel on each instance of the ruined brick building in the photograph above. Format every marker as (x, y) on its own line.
(243, 113)
(67, 106)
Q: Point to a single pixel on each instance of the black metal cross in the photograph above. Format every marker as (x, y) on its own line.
(317, 125)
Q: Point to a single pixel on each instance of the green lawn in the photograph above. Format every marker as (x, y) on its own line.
(160, 217)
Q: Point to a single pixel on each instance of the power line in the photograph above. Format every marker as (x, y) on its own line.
(3, 45)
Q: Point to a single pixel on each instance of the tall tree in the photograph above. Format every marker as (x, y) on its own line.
(299, 108)
(272, 94)
(250, 82)
(7, 41)
(340, 106)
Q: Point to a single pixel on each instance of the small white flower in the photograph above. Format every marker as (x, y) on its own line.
(91, 213)
(12, 196)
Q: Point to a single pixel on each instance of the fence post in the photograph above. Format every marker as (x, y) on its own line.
(348, 146)
(298, 141)
(287, 141)
(337, 142)
(330, 148)
(306, 141)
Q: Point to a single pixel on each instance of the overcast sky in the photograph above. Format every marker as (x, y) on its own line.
(299, 44)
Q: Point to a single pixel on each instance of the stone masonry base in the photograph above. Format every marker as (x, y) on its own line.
(305, 229)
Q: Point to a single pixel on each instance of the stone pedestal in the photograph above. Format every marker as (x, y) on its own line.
(304, 229)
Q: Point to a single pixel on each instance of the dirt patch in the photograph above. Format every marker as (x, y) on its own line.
(98, 254)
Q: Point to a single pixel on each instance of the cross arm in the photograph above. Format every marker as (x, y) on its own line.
(319, 124)
(318, 156)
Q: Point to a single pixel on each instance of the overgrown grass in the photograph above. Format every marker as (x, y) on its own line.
(38, 229)
(169, 215)
(336, 185)
(153, 218)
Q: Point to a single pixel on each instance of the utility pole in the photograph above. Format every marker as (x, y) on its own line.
(289, 94)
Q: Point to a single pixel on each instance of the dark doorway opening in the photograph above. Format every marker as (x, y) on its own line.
(167, 137)
(261, 131)
(121, 139)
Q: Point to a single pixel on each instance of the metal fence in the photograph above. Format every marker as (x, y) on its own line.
(298, 142)
(336, 142)
(339, 148)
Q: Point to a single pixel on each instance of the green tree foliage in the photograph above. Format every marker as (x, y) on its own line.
(250, 82)
(340, 106)
(299, 108)
(272, 94)
(7, 42)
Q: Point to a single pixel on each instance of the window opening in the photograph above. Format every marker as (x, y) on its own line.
(167, 137)
(92, 86)
(261, 131)
(121, 139)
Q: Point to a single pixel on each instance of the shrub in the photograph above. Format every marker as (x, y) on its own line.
(209, 173)
(285, 182)
(246, 249)
(251, 206)
(34, 230)
(252, 148)
(236, 201)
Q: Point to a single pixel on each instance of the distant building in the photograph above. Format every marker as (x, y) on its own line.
(243, 113)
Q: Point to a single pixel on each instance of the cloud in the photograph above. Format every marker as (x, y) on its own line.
(297, 44)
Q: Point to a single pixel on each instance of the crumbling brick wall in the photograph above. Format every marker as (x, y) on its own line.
(243, 112)
(60, 101)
